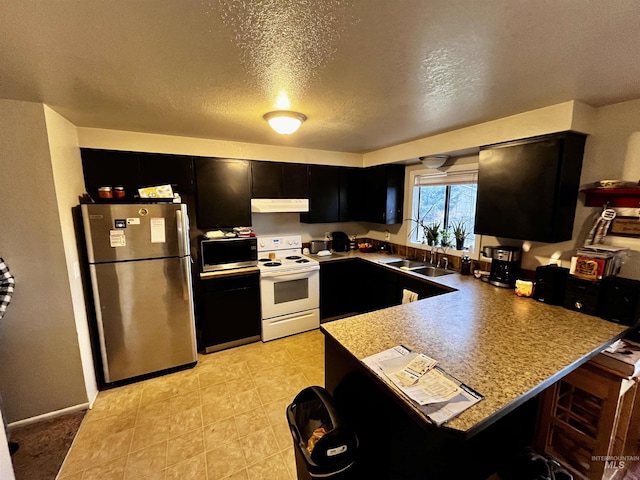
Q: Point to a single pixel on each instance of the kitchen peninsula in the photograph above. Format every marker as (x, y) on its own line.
(506, 347)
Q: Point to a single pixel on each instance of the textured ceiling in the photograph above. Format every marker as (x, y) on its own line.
(367, 73)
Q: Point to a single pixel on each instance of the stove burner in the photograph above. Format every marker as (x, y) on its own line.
(272, 264)
(293, 257)
(264, 259)
(302, 260)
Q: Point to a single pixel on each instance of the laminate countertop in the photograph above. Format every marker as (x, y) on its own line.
(506, 347)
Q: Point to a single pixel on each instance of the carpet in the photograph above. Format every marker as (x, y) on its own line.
(43, 446)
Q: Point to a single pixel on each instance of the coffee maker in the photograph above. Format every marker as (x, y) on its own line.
(505, 265)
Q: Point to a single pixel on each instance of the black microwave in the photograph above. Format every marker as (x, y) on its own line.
(227, 253)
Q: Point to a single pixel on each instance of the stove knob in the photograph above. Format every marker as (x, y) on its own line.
(262, 244)
(296, 242)
(290, 242)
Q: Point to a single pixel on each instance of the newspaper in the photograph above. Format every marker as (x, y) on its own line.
(436, 394)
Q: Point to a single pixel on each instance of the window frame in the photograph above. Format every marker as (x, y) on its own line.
(440, 178)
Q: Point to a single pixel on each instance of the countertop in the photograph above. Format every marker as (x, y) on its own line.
(506, 347)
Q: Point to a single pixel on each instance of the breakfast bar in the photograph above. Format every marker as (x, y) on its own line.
(507, 348)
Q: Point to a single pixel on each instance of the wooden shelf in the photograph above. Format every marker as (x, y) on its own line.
(616, 197)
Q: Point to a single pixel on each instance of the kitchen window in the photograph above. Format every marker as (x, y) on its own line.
(447, 200)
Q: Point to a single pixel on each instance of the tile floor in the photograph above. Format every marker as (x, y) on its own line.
(225, 418)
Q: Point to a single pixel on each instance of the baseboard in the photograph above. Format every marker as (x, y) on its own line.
(48, 416)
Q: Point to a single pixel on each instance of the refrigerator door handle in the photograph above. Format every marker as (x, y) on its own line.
(182, 227)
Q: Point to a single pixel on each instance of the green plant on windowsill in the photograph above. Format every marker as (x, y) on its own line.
(430, 231)
(460, 233)
(446, 238)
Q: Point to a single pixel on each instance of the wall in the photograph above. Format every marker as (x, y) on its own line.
(202, 147)
(69, 184)
(40, 363)
(571, 115)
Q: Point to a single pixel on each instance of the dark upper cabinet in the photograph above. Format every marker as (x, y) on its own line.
(295, 180)
(279, 180)
(133, 170)
(266, 179)
(528, 189)
(223, 192)
(324, 195)
(382, 194)
(340, 194)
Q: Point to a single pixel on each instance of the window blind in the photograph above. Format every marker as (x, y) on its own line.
(446, 178)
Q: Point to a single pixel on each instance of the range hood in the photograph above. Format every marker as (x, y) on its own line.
(277, 205)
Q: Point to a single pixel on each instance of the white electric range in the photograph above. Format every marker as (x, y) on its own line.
(289, 287)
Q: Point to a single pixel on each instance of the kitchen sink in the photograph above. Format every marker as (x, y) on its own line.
(404, 264)
(418, 267)
(430, 271)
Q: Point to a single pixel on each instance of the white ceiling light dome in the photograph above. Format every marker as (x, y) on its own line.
(285, 122)
(434, 161)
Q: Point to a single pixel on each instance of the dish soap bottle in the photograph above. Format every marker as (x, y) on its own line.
(465, 264)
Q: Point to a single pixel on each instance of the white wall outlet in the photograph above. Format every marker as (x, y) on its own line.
(327, 235)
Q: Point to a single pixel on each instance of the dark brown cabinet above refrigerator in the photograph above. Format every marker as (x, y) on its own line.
(223, 193)
(528, 189)
(133, 170)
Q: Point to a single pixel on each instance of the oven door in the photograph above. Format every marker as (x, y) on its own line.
(287, 293)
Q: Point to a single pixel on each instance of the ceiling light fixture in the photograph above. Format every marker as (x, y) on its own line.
(285, 122)
(434, 161)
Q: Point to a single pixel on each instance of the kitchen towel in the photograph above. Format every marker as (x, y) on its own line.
(408, 296)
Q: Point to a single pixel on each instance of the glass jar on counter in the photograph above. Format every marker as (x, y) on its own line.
(118, 192)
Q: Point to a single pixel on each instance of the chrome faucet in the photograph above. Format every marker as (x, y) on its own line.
(434, 254)
(445, 261)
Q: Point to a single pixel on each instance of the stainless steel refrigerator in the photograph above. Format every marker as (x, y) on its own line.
(140, 265)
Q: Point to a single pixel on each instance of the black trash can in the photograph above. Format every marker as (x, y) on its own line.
(324, 445)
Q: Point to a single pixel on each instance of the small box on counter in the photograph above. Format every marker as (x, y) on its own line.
(595, 262)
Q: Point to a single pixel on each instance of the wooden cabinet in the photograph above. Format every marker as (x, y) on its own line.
(133, 170)
(341, 194)
(223, 193)
(324, 195)
(279, 180)
(355, 286)
(378, 288)
(589, 421)
(339, 281)
(423, 289)
(528, 189)
(229, 311)
(382, 194)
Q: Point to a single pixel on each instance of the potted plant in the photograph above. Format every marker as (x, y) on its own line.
(431, 232)
(446, 238)
(460, 233)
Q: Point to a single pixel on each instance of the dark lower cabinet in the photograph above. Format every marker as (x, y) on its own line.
(339, 283)
(423, 289)
(223, 198)
(357, 286)
(229, 311)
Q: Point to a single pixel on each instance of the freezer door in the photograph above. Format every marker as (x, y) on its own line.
(145, 316)
(117, 232)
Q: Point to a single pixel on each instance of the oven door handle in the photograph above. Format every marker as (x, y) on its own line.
(297, 275)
